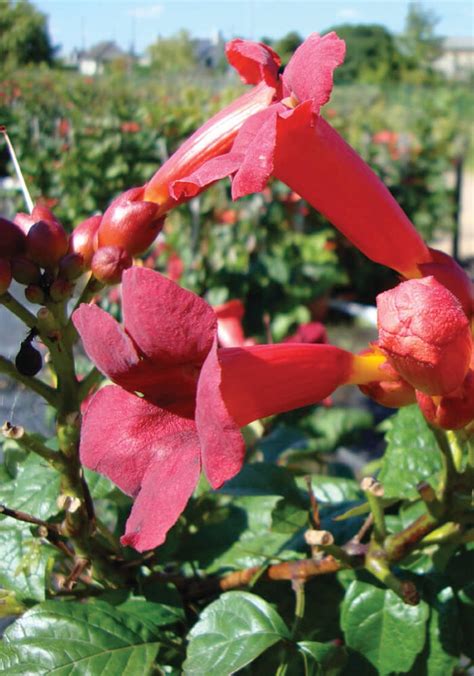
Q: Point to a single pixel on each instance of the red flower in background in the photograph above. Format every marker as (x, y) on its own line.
(178, 402)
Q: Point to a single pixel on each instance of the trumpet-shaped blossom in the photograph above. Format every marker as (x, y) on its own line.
(291, 141)
(178, 401)
(257, 64)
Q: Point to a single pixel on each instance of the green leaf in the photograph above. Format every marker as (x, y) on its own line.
(74, 638)
(23, 561)
(331, 427)
(99, 486)
(264, 479)
(160, 604)
(328, 659)
(412, 455)
(36, 489)
(378, 624)
(231, 633)
(329, 489)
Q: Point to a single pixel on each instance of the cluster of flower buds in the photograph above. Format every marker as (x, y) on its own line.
(108, 243)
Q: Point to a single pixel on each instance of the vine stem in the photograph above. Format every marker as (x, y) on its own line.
(18, 309)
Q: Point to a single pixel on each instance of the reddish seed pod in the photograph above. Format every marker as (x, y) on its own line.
(109, 262)
(46, 243)
(28, 361)
(130, 223)
(83, 239)
(71, 266)
(5, 275)
(25, 271)
(12, 239)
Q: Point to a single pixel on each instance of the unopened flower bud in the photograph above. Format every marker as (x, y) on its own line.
(35, 294)
(28, 361)
(450, 274)
(25, 271)
(109, 262)
(39, 213)
(452, 411)
(12, 239)
(5, 275)
(83, 239)
(130, 223)
(46, 243)
(46, 320)
(425, 334)
(71, 266)
(61, 290)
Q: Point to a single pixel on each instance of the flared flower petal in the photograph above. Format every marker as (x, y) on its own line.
(309, 73)
(149, 453)
(222, 445)
(106, 343)
(254, 61)
(168, 324)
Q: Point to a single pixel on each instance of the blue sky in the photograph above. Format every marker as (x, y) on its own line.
(79, 23)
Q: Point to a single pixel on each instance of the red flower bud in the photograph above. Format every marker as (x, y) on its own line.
(109, 262)
(452, 411)
(61, 290)
(46, 243)
(71, 266)
(452, 276)
(39, 213)
(25, 271)
(35, 294)
(83, 239)
(12, 239)
(425, 335)
(5, 275)
(130, 223)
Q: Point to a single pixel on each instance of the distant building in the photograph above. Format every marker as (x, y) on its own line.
(209, 52)
(92, 61)
(457, 58)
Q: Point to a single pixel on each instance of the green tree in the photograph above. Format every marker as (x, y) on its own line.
(174, 54)
(419, 44)
(287, 45)
(372, 54)
(24, 36)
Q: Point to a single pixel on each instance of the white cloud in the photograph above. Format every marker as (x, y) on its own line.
(146, 11)
(348, 13)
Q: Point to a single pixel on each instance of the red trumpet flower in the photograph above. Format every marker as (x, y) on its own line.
(179, 401)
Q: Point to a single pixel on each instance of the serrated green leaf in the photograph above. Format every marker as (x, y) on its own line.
(412, 455)
(377, 623)
(231, 633)
(23, 561)
(328, 659)
(264, 479)
(75, 638)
